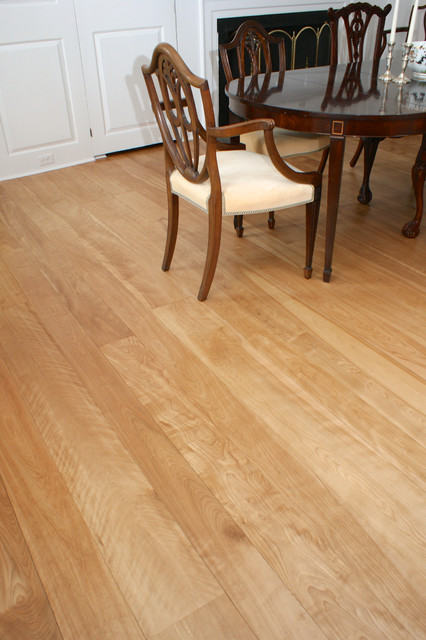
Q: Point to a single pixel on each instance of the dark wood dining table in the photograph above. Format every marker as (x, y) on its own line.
(338, 101)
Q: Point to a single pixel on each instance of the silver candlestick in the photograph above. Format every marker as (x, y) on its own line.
(386, 77)
(384, 98)
(401, 79)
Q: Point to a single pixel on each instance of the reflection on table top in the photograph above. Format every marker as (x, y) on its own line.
(339, 91)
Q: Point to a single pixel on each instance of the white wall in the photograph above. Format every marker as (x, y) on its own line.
(196, 35)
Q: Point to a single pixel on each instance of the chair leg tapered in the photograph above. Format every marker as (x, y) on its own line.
(357, 153)
(213, 246)
(172, 229)
(323, 161)
(271, 220)
(312, 214)
(238, 225)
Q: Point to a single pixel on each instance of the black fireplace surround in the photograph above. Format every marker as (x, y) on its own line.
(306, 37)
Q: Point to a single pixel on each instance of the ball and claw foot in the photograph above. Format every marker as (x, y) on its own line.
(411, 229)
(365, 195)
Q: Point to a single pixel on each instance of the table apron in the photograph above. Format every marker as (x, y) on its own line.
(332, 124)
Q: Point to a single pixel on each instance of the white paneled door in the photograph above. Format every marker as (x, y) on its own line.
(116, 38)
(43, 112)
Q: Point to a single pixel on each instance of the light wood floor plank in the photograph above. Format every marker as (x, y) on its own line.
(25, 610)
(72, 571)
(250, 466)
(273, 401)
(218, 619)
(220, 543)
(118, 503)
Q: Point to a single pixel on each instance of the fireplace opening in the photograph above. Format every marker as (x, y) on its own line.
(307, 43)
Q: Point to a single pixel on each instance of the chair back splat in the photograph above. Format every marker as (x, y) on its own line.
(356, 18)
(218, 178)
(176, 112)
(358, 25)
(252, 47)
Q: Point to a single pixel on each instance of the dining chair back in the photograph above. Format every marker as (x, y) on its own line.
(361, 21)
(253, 51)
(357, 23)
(218, 178)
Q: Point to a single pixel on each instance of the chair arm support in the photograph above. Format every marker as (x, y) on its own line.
(266, 125)
(308, 177)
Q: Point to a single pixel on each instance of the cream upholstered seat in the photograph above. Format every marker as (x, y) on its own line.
(220, 182)
(250, 53)
(249, 184)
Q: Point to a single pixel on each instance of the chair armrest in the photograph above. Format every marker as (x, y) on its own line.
(234, 131)
(239, 128)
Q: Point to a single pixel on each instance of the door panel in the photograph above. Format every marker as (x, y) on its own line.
(116, 39)
(46, 84)
(43, 112)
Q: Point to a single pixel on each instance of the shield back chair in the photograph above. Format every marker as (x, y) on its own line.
(219, 182)
(386, 33)
(252, 51)
(360, 20)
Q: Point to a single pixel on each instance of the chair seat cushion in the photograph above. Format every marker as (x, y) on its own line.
(250, 184)
(289, 143)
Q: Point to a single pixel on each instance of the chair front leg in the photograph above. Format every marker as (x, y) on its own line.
(312, 214)
(172, 228)
(213, 246)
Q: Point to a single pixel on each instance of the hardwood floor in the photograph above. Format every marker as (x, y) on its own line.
(251, 466)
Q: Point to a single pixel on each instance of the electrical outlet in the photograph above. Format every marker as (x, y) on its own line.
(49, 158)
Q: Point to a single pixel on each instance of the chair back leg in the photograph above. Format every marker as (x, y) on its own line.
(172, 227)
(271, 220)
(323, 161)
(238, 225)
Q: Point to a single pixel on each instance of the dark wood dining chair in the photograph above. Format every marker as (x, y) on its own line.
(219, 182)
(253, 51)
(403, 29)
(359, 20)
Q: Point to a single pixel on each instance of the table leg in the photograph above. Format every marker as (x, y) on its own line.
(335, 166)
(411, 229)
